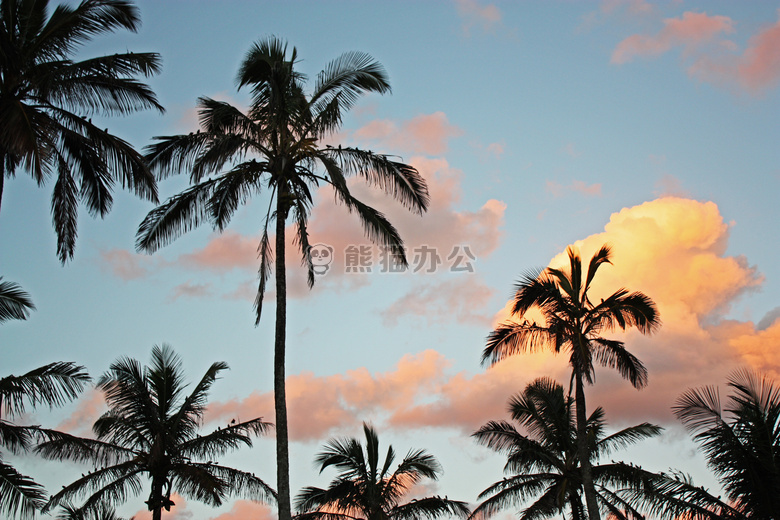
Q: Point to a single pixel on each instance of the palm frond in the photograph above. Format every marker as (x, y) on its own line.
(19, 494)
(52, 384)
(15, 303)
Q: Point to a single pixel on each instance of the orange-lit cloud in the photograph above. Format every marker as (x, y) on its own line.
(424, 134)
(126, 265)
(486, 17)
(226, 251)
(672, 249)
(709, 56)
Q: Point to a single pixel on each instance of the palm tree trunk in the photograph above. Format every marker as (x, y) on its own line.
(583, 451)
(280, 398)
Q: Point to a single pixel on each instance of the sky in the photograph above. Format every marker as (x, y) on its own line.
(651, 127)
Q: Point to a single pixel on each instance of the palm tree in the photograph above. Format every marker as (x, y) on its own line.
(544, 464)
(53, 385)
(574, 324)
(151, 428)
(741, 440)
(47, 101)
(277, 146)
(366, 490)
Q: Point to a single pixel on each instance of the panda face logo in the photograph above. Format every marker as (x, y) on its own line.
(321, 257)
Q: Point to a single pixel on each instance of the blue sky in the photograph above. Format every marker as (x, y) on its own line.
(651, 126)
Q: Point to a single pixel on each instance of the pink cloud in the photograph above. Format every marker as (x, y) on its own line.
(90, 405)
(425, 134)
(708, 55)
(178, 511)
(487, 17)
(225, 251)
(125, 265)
(461, 299)
(191, 290)
(559, 190)
(247, 509)
(690, 31)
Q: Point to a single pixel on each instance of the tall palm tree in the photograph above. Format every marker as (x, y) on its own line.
(277, 146)
(151, 428)
(366, 489)
(574, 324)
(53, 385)
(47, 100)
(741, 440)
(544, 464)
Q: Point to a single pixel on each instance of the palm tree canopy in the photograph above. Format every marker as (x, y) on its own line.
(276, 147)
(741, 440)
(51, 385)
(367, 489)
(47, 100)
(572, 322)
(151, 428)
(543, 459)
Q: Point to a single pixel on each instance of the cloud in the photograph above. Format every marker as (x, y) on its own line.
(461, 299)
(486, 17)
(559, 190)
(247, 509)
(125, 265)
(225, 251)
(189, 289)
(689, 32)
(672, 249)
(708, 55)
(425, 134)
(89, 407)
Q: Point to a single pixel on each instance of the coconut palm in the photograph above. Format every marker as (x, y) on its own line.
(574, 324)
(741, 440)
(47, 100)
(276, 146)
(366, 489)
(151, 429)
(51, 385)
(543, 463)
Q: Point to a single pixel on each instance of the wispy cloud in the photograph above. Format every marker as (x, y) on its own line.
(486, 17)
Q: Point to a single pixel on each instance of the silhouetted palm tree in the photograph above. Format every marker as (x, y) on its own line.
(741, 441)
(151, 429)
(51, 385)
(366, 489)
(572, 323)
(543, 463)
(47, 100)
(276, 146)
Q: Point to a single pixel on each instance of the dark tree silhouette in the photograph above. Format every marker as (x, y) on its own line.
(151, 429)
(47, 101)
(574, 324)
(276, 146)
(366, 489)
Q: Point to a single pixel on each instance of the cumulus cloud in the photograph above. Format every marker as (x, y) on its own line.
(247, 509)
(672, 249)
(708, 55)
